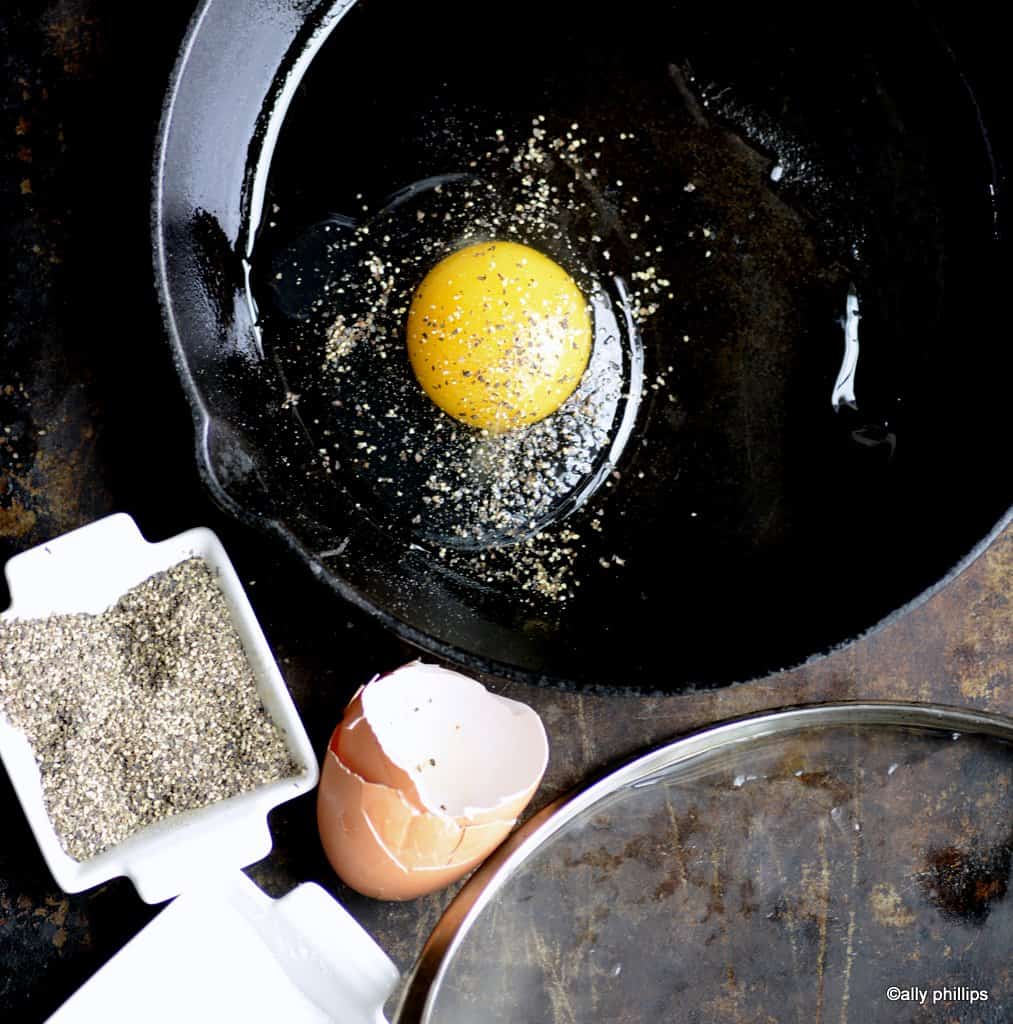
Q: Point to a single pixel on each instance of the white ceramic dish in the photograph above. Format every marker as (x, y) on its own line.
(227, 952)
(87, 571)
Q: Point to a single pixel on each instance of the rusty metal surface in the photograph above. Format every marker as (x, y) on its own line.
(92, 421)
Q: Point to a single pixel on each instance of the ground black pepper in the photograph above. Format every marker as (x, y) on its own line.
(490, 506)
(144, 711)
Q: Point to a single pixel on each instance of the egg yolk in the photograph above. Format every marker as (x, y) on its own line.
(498, 335)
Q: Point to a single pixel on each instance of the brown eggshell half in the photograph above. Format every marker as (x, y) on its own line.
(475, 758)
(383, 847)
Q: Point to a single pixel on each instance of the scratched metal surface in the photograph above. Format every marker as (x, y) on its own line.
(92, 421)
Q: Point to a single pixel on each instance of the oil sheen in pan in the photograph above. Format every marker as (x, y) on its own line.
(344, 288)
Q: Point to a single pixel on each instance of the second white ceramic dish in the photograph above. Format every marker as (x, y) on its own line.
(227, 952)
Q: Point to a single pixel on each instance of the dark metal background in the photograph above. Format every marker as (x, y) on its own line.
(92, 420)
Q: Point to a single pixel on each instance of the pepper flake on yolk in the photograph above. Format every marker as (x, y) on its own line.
(498, 335)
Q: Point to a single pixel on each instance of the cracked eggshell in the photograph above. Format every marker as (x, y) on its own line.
(423, 778)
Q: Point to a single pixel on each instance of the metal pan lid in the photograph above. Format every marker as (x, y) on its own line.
(800, 865)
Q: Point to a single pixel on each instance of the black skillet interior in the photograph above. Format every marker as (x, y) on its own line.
(755, 523)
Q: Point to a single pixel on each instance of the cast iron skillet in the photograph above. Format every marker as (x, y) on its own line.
(759, 524)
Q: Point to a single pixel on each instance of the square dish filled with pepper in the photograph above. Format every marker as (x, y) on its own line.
(143, 720)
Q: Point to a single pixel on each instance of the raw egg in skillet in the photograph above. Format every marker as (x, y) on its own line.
(462, 352)
(498, 335)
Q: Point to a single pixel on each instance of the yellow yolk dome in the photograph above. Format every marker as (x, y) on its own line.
(498, 335)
